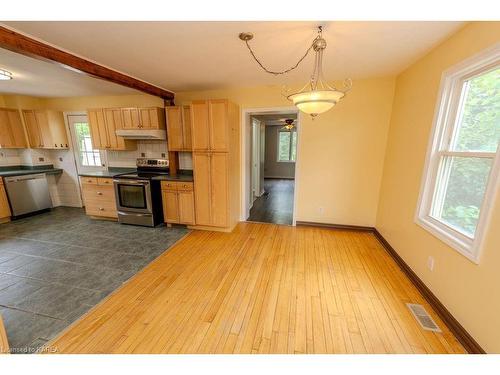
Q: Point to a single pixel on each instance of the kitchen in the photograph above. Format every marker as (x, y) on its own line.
(142, 175)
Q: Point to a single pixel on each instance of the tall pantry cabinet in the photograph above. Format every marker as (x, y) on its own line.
(216, 163)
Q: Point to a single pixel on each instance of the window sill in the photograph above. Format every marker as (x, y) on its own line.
(464, 246)
(286, 161)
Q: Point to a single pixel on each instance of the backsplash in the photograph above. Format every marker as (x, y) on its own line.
(146, 149)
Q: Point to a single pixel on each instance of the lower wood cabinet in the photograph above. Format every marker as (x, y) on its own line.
(178, 202)
(4, 203)
(211, 189)
(99, 197)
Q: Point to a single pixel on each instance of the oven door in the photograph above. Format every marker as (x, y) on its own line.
(133, 195)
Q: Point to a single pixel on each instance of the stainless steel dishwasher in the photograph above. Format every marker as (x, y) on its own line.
(28, 193)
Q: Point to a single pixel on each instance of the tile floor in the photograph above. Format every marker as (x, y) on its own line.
(55, 266)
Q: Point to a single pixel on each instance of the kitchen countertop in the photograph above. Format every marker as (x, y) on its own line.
(22, 170)
(180, 177)
(111, 172)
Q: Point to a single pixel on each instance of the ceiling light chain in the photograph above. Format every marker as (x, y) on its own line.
(249, 36)
(317, 96)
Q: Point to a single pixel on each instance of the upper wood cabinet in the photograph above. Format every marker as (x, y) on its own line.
(210, 125)
(179, 128)
(45, 129)
(143, 118)
(11, 129)
(103, 126)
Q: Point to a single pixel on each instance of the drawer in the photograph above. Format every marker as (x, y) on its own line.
(99, 193)
(185, 186)
(101, 210)
(169, 185)
(88, 180)
(104, 181)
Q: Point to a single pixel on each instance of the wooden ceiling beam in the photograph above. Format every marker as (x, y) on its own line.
(24, 45)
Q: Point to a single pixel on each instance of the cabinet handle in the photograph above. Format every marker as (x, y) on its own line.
(99, 193)
(66, 145)
(61, 145)
(101, 209)
(55, 144)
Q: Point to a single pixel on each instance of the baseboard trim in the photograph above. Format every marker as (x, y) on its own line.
(455, 327)
(335, 226)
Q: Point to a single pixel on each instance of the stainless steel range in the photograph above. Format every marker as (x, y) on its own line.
(138, 195)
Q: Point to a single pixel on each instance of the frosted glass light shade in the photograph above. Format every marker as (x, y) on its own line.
(316, 102)
(5, 75)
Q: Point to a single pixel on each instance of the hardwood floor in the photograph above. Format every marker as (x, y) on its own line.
(276, 206)
(263, 288)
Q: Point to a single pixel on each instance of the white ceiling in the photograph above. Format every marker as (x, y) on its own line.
(38, 78)
(183, 56)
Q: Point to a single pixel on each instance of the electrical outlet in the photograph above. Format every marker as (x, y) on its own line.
(41, 159)
(162, 154)
(60, 159)
(430, 263)
(143, 154)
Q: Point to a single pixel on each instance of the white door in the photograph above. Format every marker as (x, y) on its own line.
(255, 159)
(87, 159)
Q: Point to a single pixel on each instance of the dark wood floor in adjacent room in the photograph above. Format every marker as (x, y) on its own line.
(263, 288)
(276, 205)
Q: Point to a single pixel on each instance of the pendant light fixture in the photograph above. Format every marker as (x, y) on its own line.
(317, 96)
(289, 124)
(5, 75)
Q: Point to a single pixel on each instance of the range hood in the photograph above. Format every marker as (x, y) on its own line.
(151, 134)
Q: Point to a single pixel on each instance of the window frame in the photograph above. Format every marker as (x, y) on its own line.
(290, 144)
(444, 130)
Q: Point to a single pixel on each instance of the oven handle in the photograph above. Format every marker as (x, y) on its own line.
(131, 182)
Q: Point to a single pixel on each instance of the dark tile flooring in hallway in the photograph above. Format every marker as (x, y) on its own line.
(55, 266)
(276, 205)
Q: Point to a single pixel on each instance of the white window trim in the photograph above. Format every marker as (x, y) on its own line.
(446, 109)
(280, 130)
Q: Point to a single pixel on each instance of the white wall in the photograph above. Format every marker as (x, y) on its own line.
(148, 149)
(272, 167)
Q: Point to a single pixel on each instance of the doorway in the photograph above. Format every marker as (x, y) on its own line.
(272, 159)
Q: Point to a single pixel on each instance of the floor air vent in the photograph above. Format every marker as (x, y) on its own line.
(423, 317)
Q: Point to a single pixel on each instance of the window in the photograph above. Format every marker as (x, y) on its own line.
(88, 157)
(462, 166)
(287, 145)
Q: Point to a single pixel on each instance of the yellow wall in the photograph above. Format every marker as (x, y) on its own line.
(340, 153)
(469, 291)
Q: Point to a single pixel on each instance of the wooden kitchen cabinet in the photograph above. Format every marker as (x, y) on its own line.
(11, 129)
(99, 197)
(143, 118)
(103, 125)
(210, 125)
(178, 202)
(216, 163)
(179, 128)
(45, 129)
(4, 204)
(211, 188)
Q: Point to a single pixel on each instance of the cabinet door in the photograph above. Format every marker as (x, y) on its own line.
(96, 121)
(201, 131)
(186, 207)
(202, 187)
(130, 118)
(17, 129)
(34, 137)
(4, 204)
(218, 125)
(44, 129)
(170, 206)
(114, 121)
(218, 189)
(145, 118)
(187, 128)
(174, 128)
(6, 137)
(57, 128)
